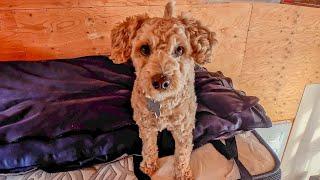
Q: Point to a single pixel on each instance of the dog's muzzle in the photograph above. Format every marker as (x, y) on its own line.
(160, 81)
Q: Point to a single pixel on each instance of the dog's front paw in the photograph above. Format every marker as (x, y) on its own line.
(184, 175)
(149, 168)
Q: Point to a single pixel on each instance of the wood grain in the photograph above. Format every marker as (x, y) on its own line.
(90, 3)
(71, 32)
(231, 33)
(11, 46)
(37, 4)
(282, 56)
(57, 4)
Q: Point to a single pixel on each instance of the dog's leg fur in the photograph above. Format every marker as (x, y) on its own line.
(183, 149)
(149, 150)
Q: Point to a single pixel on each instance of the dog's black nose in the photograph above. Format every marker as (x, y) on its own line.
(160, 81)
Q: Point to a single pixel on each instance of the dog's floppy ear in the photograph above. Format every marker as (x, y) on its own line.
(202, 39)
(122, 35)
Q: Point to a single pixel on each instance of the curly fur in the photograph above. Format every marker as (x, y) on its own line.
(178, 102)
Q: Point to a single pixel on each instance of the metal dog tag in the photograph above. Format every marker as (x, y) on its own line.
(154, 106)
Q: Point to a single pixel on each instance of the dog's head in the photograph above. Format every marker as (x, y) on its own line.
(163, 50)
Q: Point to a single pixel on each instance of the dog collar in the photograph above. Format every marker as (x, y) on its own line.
(153, 106)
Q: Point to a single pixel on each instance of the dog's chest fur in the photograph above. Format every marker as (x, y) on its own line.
(176, 111)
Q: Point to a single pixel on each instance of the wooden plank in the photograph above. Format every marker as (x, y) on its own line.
(266, 56)
(11, 46)
(66, 33)
(282, 56)
(304, 66)
(47, 34)
(108, 3)
(231, 25)
(37, 4)
(41, 4)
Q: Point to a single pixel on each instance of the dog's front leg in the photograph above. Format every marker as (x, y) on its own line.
(149, 150)
(183, 148)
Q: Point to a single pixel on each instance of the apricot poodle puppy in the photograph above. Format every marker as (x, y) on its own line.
(164, 52)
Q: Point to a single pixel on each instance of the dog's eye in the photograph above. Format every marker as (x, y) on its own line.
(145, 50)
(178, 51)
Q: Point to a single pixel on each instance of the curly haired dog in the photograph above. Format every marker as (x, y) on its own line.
(164, 52)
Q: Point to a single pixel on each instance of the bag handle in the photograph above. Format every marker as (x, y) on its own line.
(230, 151)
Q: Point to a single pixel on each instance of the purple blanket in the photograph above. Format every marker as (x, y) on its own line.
(69, 112)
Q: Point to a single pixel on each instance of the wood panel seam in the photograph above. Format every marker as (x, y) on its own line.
(246, 41)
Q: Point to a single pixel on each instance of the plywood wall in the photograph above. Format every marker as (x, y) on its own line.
(282, 56)
(271, 51)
